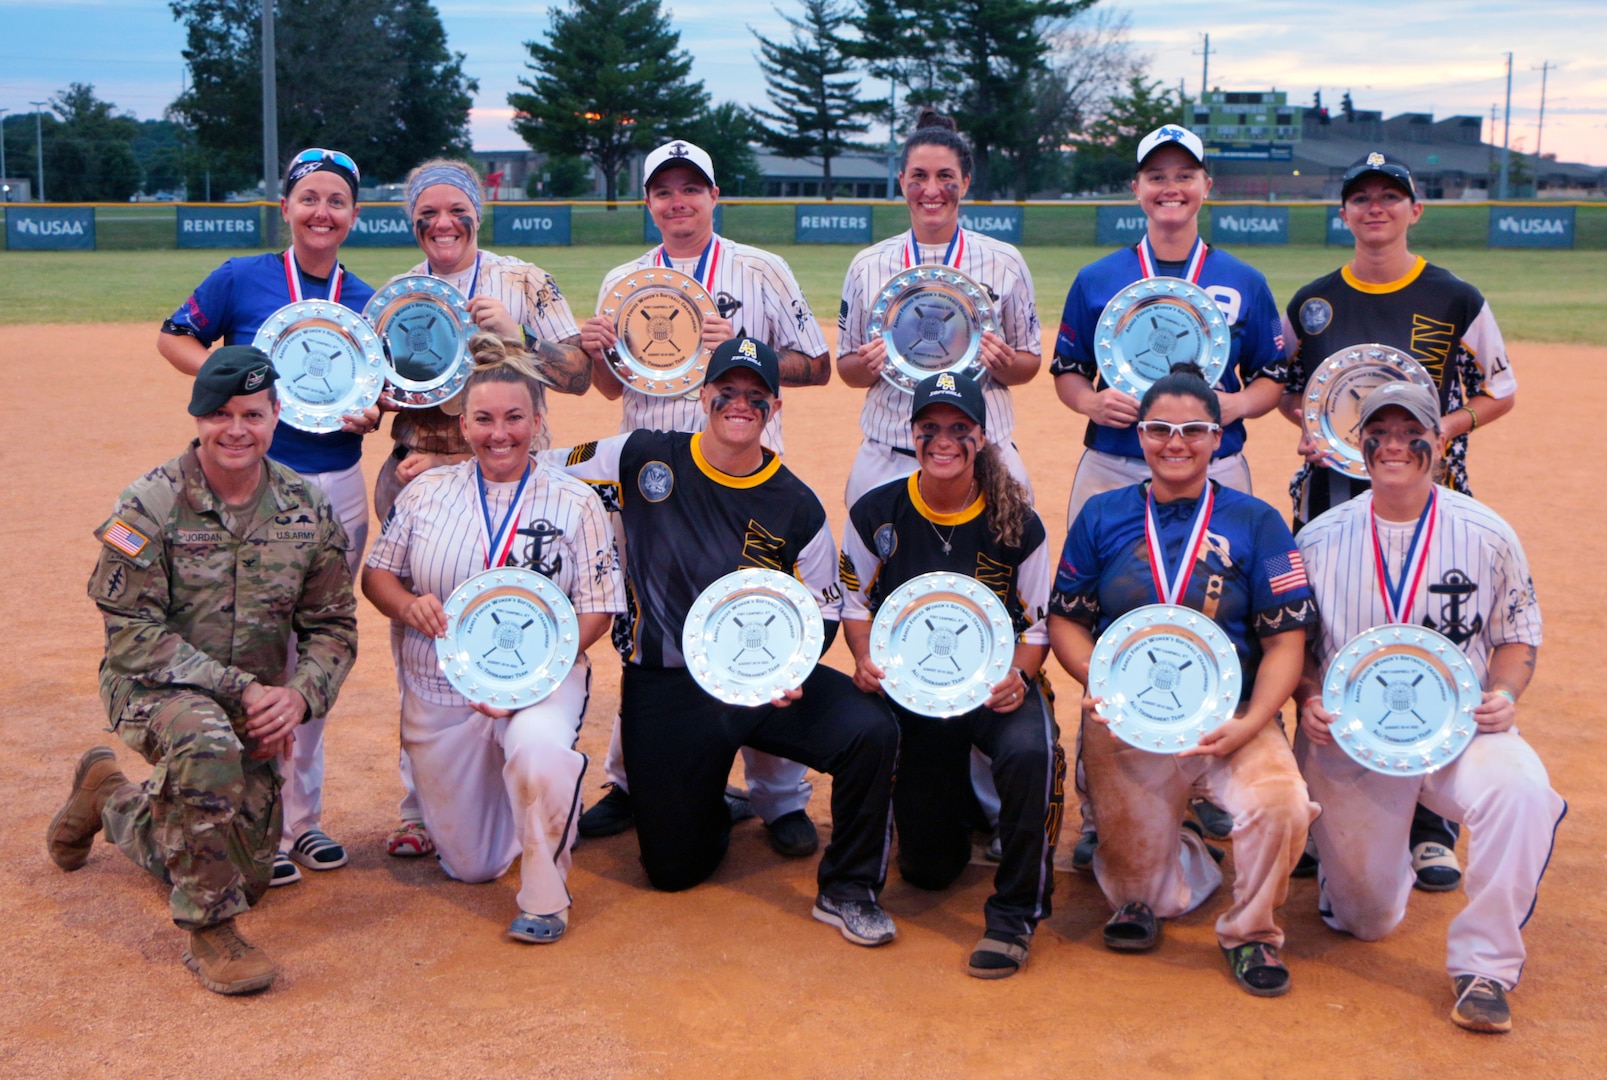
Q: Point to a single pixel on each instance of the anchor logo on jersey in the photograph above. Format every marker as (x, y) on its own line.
(728, 305)
(542, 533)
(1457, 589)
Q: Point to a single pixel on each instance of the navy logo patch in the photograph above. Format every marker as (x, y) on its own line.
(1315, 315)
(655, 481)
(886, 540)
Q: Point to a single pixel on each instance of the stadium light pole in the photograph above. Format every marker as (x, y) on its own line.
(270, 123)
(39, 145)
(1506, 131)
(5, 188)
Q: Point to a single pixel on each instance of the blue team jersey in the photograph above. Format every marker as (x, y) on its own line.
(232, 303)
(1238, 289)
(1248, 577)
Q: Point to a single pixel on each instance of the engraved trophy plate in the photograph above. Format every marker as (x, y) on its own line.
(511, 638)
(330, 362)
(752, 635)
(1331, 411)
(1402, 698)
(658, 318)
(425, 325)
(944, 641)
(1166, 676)
(932, 319)
(1155, 323)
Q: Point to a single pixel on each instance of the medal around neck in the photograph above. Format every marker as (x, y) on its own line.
(658, 320)
(1402, 698)
(330, 362)
(944, 641)
(752, 635)
(1167, 675)
(1156, 323)
(1331, 411)
(425, 325)
(511, 638)
(932, 319)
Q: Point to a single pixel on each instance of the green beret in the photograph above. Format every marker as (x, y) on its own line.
(230, 372)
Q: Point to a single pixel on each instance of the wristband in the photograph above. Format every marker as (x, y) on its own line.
(1473, 417)
(1508, 695)
(1307, 703)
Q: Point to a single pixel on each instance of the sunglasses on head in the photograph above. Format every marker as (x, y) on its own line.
(315, 155)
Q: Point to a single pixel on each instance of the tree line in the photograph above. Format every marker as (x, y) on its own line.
(1047, 92)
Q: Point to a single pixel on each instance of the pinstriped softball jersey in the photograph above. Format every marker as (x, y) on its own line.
(431, 541)
(532, 298)
(1476, 587)
(991, 263)
(757, 292)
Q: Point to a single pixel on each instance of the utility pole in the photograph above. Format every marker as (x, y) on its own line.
(39, 145)
(5, 188)
(1540, 128)
(892, 137)
(1205, 67)
(270, 123)
(1506, 131)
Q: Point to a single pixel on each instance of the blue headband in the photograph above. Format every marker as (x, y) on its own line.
(453, 175)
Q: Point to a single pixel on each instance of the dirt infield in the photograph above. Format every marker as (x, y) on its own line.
(391, 969)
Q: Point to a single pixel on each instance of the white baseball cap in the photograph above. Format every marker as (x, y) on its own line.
(1167, 134)
(678, 152)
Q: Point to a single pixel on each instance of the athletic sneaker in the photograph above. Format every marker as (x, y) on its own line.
(1481, 1005)
(611, 814)
(1082, 855)
(316, 851)
(1217, 822)
(1436, 867)
(794, 835)
(862, 921)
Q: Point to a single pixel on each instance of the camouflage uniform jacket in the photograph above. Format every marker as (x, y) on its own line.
(187, 603)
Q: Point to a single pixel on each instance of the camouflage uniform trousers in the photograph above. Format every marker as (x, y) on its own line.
(208, 820)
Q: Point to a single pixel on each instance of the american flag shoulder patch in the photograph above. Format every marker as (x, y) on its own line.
(1285, 572)
(124, 538)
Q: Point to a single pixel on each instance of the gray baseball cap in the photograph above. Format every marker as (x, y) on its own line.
(1418, 401)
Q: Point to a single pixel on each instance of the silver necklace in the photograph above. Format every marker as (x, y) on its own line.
(947, 541)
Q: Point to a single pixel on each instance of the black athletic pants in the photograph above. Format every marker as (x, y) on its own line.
(933, 796)
(679, 744)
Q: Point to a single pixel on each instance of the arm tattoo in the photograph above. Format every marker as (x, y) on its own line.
(565, 365)
(801, 369)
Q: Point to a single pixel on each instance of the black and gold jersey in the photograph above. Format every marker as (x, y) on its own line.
(687, 524)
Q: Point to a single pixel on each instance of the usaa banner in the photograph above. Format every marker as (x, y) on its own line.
(529, 226)
(1249, 225)
(651, 235)
(814, 223)
(1118, 226)
(50, 228)
(381, 225)
(1338, 232)
(219, 226)
(1532, 226)
(999, 222)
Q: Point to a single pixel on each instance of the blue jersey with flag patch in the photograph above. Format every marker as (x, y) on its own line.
(1239, 290)
(1248, 576)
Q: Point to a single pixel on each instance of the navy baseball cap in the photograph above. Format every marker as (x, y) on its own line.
(1379, 164)
(230, 372)
(949, 388)
(750, 354)
(1171, 135)
(1418, 401)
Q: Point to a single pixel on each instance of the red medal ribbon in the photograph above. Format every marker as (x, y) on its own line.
(1175, 590)
(1399, 597)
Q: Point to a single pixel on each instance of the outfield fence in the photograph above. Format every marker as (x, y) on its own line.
(145, 226)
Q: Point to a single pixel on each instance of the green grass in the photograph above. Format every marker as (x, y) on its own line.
(1537, 295)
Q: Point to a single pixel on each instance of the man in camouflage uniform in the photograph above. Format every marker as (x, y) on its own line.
(207, 565)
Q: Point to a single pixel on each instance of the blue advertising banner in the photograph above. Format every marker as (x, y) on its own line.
(381, 225)
(219, 226)
(999, 222)
(1531, 226)
(1118, 226)
(1338, 232)
(50, 228)
(650, 232)
(830, 224)
(514, 225)
(1249, 224)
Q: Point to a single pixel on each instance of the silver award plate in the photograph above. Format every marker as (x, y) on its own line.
(932, 319)
(330, 362)
(425, 325)
(1331, 411)
(943, 641)
(1402, 698)
(1155, 323)
(658, 322)
(511, 638)
(752, 635)
(1167, 675)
